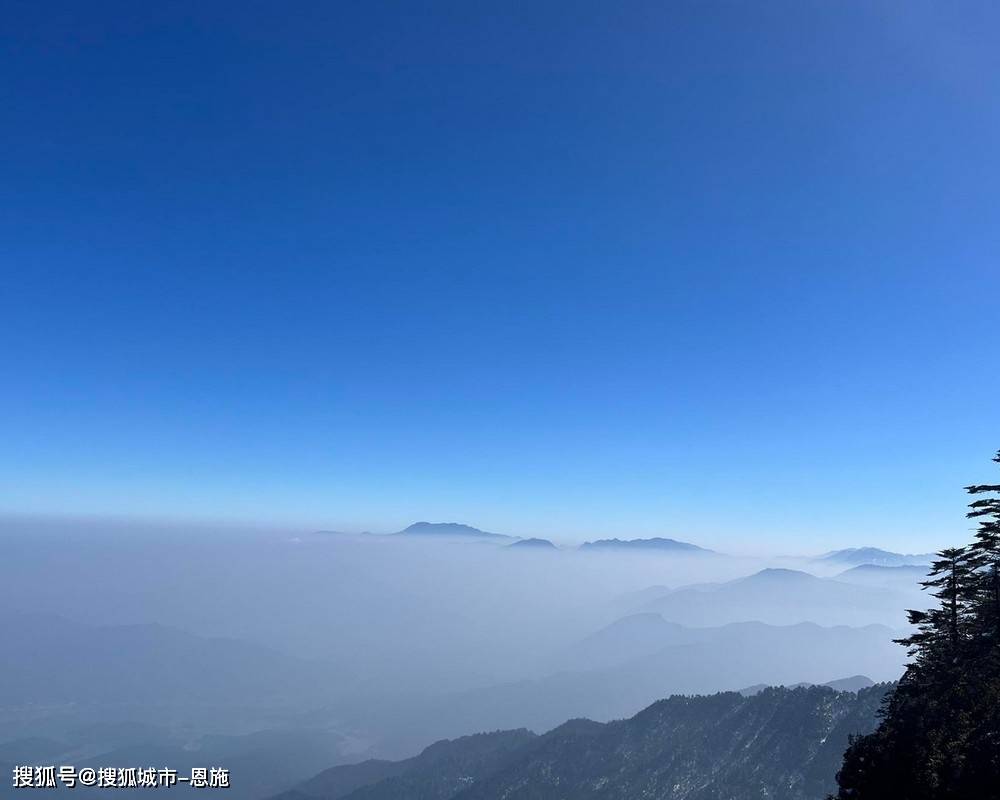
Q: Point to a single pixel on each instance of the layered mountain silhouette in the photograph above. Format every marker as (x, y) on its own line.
(630, 637)
(458, 530)
(855, 556)
(876, 574)
(627, 665)
(442, 770)
(781, 597)
(855, 683)
(637, 598)
(784, 744)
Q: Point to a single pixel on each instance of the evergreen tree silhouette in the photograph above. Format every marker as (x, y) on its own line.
(986, 555)
(939, 738)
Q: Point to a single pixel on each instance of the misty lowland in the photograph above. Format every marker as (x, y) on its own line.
(444, 661)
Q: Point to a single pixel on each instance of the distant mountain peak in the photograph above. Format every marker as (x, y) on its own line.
(455, 529)
(852, 684)
(657, 543)
(533, 544)
(779, 574)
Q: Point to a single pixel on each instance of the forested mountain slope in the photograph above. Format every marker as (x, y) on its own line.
(784, 744)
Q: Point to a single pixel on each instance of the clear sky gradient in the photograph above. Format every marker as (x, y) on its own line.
(721, 271)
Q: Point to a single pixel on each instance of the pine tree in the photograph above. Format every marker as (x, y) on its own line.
(937, 643)
(939, 738)
(986, 557)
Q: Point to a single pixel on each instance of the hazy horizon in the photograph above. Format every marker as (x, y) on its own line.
(714, 271)
(739, 545)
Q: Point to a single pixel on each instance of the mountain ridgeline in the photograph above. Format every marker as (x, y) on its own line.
(844, 559)
(781, 597)
(456, 530)
(783, 744)
(533, 544)
(655, 545)
(452, 529)
(857, 556)
(939, 738)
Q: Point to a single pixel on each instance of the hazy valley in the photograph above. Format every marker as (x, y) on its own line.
(287, 654)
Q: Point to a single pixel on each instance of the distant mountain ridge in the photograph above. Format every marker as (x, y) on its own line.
(776, 574)
(451, 529)
(857, 556)
(855, 683)
(909, 570)
(459, 530)
(658, 544)
(784, 744)
(905, 576)
(533, 544)
(781, 597)
(440, 771)
(625, 666)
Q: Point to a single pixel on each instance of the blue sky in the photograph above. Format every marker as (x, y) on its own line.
(721, 271)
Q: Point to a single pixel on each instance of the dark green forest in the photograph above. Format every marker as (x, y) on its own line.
(939, 737)
(780, 743)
